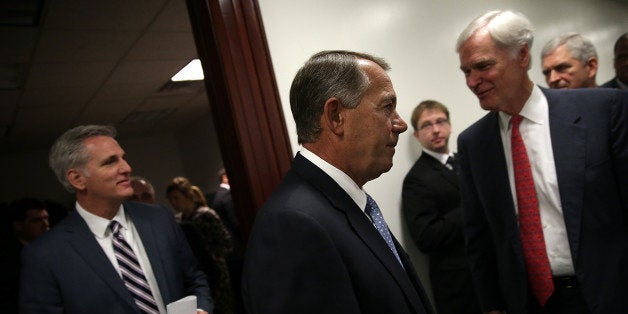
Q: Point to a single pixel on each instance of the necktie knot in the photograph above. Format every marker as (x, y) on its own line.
(516, 120)
(453, 163)
(450, 160)
(114, 226)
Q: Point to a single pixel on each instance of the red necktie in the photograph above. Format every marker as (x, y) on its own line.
(534, 252)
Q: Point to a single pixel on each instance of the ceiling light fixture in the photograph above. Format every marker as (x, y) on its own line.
(191, 72)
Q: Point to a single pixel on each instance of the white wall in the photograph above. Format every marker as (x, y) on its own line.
(417, 37)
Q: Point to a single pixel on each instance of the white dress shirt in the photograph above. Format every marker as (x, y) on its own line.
(535, 132)
(440, 157)
(100, 228)
(356, 193)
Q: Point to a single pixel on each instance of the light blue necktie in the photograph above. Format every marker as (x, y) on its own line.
(380, 224)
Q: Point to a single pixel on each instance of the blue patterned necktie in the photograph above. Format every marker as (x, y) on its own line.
(132, 273)
(380, 224)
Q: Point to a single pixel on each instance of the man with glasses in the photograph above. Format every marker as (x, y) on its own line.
(431, 205)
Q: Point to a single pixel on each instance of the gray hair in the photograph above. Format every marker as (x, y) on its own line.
(509, 30)
(580, 48)
(68, 151)
(325, 75)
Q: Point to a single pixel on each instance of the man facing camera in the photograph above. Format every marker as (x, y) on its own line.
(107, 256)
(569, 61)
(431, 205)
(544, 179)
(320, 243)
(620, 63)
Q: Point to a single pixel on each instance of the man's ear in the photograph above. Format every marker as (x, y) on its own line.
(333, 116)
(592, 64)
(524, 55)
(76, 179)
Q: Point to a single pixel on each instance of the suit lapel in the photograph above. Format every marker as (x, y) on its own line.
(84, 243)
(568, 145)
(497, 182)
(361, 225)
(447, 174)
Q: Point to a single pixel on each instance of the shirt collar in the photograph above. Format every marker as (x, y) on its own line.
(99, 225)
(438, 156)
(534, 109)
(357, 194)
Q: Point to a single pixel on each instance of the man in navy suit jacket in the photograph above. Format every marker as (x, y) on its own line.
(73, 268)
(577, 145)
(313, 248)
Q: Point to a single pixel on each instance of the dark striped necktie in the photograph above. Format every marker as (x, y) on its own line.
(132, 273)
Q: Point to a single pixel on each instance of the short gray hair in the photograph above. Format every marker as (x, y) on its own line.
(68, 151)
(509, 30)
(325, 75)
(580, 47)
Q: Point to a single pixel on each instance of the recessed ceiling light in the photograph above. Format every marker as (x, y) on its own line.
(191, 72)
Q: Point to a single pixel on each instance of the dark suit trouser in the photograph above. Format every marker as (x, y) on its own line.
(566, 299)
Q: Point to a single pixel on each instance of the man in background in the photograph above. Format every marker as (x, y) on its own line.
(431, 205)
(143, 190)
(107, 256)
(223, 204)
(620, 63)
(544, 179)
(320, 243)
(28, 220)
(569, 61)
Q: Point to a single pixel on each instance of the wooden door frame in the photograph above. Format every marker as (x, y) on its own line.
(244, 100)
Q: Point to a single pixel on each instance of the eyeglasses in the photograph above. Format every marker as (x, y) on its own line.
(429, 126)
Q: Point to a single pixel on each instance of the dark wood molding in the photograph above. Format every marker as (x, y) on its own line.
(244, 99)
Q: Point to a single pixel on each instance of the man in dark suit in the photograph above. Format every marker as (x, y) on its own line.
(107, 256)
(29, 219)
(315, 247)
(620, 63)
(544, 181)
(431, 205)
(569, 61)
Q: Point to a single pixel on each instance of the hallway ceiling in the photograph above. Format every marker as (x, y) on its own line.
(70, 62)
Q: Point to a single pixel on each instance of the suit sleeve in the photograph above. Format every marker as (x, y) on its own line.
(430, 229)
(479, 244)
(39, 292)
(292, 266)
(619, 138)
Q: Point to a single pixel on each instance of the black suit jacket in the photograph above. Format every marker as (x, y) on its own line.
(312, 250)
(611, 84)
(589, 132)
(431, 205)
(66, 271)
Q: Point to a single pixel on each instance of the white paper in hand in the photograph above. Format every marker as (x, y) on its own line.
(186, 305)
